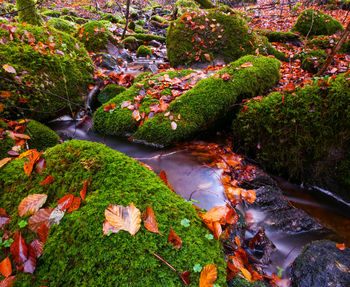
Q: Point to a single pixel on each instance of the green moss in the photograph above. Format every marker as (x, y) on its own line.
(326, 42)
(240, 282)
(110, 17)
(5, 145)
(119, 259)
(51, 13)
(131, 25)
(183, 6)
(68, 11)
(62, 25)
(148, 37)
(140, 23)
(230, 40)
(64, 69)
(205, 4)
(109, 92)
(313, 60)
(41, 136)
(131, 43)
(159, 19)
(303, 134)
(144, 51)
(312, 22)
(277, 36)
(95, 36)
(30, 14)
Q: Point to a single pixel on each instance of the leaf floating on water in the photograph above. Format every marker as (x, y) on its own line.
(174, 239)
(5, 267)
(124, 218)
(30, 204)
(208, 276)
(149, 220)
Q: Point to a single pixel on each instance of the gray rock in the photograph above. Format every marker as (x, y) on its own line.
(322, 264)
(105, 61)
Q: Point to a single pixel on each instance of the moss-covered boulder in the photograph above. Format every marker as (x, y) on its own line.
(51, 13)
(192, 112)
(119, 259)
(206, 35)
(183, 6)
(205, 4)
(62, 25)
(28, 13)
(131, 43)
(144, 51)
(303, 134)
(95, 36)
(109, 92)
(55, 68)
(313, 60)
(312, 22)
(148, 37)
(279, 36)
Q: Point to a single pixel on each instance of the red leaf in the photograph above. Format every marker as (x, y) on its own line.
(19, 249)
(5, 267)
(65, 202)
(35, 248)
(83, 191)
(75, 205)
(41, 164)
(40, 217)
(341, 246)
(174, 239)
(186, 277)
(42, 231)
(246, 65)
(149, 220)
(290, 87)
(8, 282)
(4, 219)
(48, 180)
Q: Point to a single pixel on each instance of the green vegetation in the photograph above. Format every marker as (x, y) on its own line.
(148, 37)
(303, 134)
(275, 36)
(5, 145)
(109, 92)
(199, 108)
(205, 4)
(131, 25)
(51, 13)
(312, 23)
(29, 15)
(62, 25)
(119, 259)
(183, 6)
(144, 51)
(41, 136)
(95, 36)
(69, 12)
(223, 36)
(60, 66)
(313, 60)
(131, 43)
(110, 17)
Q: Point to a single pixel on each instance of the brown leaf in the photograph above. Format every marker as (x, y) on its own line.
(174, 239)
(124, 218)
(35, 248)
(149, 220)
(48, 180)
(4, 219)
(5, 267)
(9, 69)
(186, 277)
(30, 265)
(5, 161)
(163, 176)
(39, 217)
(33, 159)
(107, 227)
(208, 276)
(42, 232)
(8, 282)
(83, 191)
(65, 202)
(19, 249)
(246, 65)
(31, 204)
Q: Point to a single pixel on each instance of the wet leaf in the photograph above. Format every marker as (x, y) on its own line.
(33, 157)
(174, 239)
(8, 282)
(30, 265)
(124, 218)
(186, 276)
(246, 274)
(40, 217)
(5, 267)
(173, 126)
(341, 246)
(65, 202)
(48, 180)
(42, 232)
(109, 229)
(83, 191)
(4, 219)
(75, 205)
(30, 204)
(19, 249)
(208, 276)
(149, 220)
(35, 248)
(56, 216)
(246, 65)
(163, 176)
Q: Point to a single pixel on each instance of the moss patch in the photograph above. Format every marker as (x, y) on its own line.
(303, 134)
(118, 259)
(312, 22)
(144, 51)
(313, 60)
(49, 61)
(41, 136)
(28, 12)
(62, 25)
(109, 92)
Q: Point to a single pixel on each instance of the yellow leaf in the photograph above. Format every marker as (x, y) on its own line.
(208, 276)
(246, 274)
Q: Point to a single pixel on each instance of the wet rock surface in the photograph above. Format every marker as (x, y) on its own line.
(322, 264)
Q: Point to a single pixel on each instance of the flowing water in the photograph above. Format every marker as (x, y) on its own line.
(192, 178)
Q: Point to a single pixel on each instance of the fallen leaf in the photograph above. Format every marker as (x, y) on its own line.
(83, 191)
(56, 216)
(4, 218)
(42, 232)
(40, 217)
(35, 248)
(208, 276)
(30, 204)
(30, 265)
(173, 126)
(9, 69)
(48, 180)
(124, 218)
(149, 220)
(341, 246)
(163, 176)
(5, 161)
(8, 282)
(246, 274)
(75, 205)
(5, 94)
(19, 249)
(186, 277)
(65, 202)
(207, 57)
(342, 267)
(246, 65)
(174, 239)
(5, 267)
(108, 228)
(33, 159)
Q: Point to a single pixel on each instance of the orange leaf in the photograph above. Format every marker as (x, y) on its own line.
(30, 204)
(246, 65)
(33, 159)
(48, 180)
(5, 94)
(8, 282)
(238, 241)
(290, 86)
(5, 267)
(208, 276)
(246, 274)
(75, 204)
(174, 239)
(65, 202)
(163, 176)
(124, 218)
(217, 213)
(83, 191)
(40, 217)
(341, 246)
(149, 220)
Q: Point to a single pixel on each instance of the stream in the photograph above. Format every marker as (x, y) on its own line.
(192, 178)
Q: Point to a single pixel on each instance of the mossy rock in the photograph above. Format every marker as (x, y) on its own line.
(131, 25)
(148, 37)
(140, 23)
(110, 17)
(41, 136)
(205, 4)
(51, 13)
(230, 40)
(69, 12)
(5, 145)
(109, 92)
(57, 72)
(62, 25)
(183, 6)
(199, 108)
(313, 60)
(28, 13)
(326, 42)
(312, 23)
(144, 51)
(303, 134)
(159, 19)
(278, 36)
(95, 36)
(119, 259)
